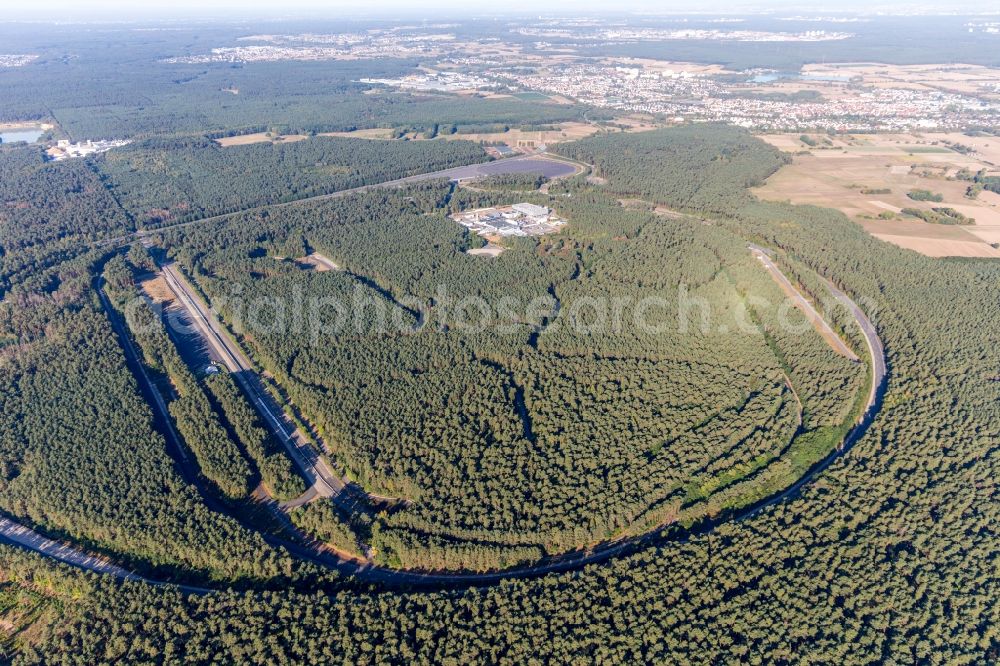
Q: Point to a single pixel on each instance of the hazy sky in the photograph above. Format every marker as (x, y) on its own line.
(126, 9)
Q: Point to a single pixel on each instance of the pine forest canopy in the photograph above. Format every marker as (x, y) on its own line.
(637, 379)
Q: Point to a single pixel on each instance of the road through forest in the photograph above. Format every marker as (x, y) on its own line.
(551, 166)
(14, 533)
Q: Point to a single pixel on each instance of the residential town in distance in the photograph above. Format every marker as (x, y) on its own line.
(16, 60)
(764, 100)
(559, 62)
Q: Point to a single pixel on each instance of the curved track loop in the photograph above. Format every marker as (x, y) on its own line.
(19, 535)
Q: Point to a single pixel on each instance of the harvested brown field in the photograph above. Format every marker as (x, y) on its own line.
(916, 229)
(259, 137)
(988, 234)
(373, 133)
(868, 178)
(932, 247)
(156, 290)
(987, 147)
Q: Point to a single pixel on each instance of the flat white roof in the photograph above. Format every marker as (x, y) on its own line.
(531, 209)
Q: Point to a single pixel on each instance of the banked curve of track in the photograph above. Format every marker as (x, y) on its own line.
(14, 533)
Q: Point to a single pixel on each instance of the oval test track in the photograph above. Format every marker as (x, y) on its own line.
(12, 532)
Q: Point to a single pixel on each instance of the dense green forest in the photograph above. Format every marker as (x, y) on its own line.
(219, 456)
(121, 90)
(888, 558)
(511, 182)
(276, 468)
(549, 428)
(48, 210)
(162, 181)
(80, 454)
(531, 403)
(321, 520)
(732, 162)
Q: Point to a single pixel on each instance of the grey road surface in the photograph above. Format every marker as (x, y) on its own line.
(28, 538)
(321, 478)
(875, 349)
(803, 304)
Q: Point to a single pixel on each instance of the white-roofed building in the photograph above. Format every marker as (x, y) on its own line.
(530, 209)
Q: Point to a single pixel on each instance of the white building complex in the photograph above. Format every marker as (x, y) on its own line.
(523, 219)
(64, 150)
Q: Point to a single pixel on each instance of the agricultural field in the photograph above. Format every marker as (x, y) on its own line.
(871, 178)
(959, 78)
(259, 137)
(369, 133)
(290, 375)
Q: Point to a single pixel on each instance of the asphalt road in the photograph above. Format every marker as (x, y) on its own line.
(326, 481)
(800, 301)
(322, 480)
(550, 166)
(135, 360)
(20, 535)
(875, 349)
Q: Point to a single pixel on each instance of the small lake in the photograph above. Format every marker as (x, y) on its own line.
(29, 134)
